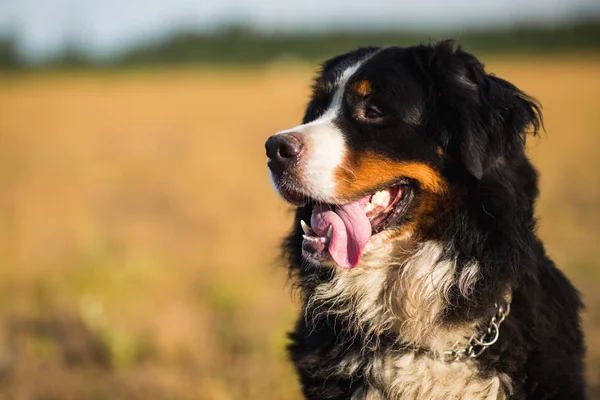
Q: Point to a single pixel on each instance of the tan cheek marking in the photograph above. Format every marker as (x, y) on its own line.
(357, 175)
(440, 151)
(424, 217)
(363, 87)
(405, 231)
(428, 210)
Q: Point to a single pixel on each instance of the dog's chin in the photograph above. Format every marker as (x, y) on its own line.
(380, 246)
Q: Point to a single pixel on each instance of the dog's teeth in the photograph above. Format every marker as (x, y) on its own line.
(329, 231)
(304, 226)
(304, 237)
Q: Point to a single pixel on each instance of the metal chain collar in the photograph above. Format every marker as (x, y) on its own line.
(478, 344)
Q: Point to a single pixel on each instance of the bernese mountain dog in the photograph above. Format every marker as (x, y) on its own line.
(414, 245)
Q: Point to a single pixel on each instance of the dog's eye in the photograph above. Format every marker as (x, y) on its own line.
(372, 112)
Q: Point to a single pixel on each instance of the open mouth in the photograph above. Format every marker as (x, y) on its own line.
(342, 231)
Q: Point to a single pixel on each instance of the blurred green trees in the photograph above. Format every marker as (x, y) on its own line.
(239, 45)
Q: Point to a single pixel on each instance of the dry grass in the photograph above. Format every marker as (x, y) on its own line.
(139, 233)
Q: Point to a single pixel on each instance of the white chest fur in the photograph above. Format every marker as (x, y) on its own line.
(418, 377)
(407, 295)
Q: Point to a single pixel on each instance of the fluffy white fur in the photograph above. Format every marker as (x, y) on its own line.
(409, 305)
(419, 377)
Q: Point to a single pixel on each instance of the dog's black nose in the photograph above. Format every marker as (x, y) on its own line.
(282, 149)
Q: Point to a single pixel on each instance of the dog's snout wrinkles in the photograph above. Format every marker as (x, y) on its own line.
(282, 150)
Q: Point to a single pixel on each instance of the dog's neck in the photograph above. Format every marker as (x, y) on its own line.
(406, 299)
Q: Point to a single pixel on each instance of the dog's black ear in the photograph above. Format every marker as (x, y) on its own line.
(327, 75)
(486, 117)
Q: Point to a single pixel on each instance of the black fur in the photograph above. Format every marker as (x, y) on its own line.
(440, 96)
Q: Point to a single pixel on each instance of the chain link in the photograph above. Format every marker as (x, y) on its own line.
(478, 344)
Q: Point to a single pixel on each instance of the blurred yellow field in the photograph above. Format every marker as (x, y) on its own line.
(139, 234)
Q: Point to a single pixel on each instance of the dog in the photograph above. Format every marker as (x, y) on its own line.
(413, 245)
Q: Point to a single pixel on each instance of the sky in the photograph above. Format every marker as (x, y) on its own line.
(104, 27)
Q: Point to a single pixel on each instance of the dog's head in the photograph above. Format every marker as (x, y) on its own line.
(392, 141)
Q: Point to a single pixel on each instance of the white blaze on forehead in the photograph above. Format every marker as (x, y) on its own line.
(338, 97)
(325, 145)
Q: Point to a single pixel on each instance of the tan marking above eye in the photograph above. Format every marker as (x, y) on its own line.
(359, 174)
(362, 87)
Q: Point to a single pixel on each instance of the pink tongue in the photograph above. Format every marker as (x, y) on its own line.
(351, 230)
